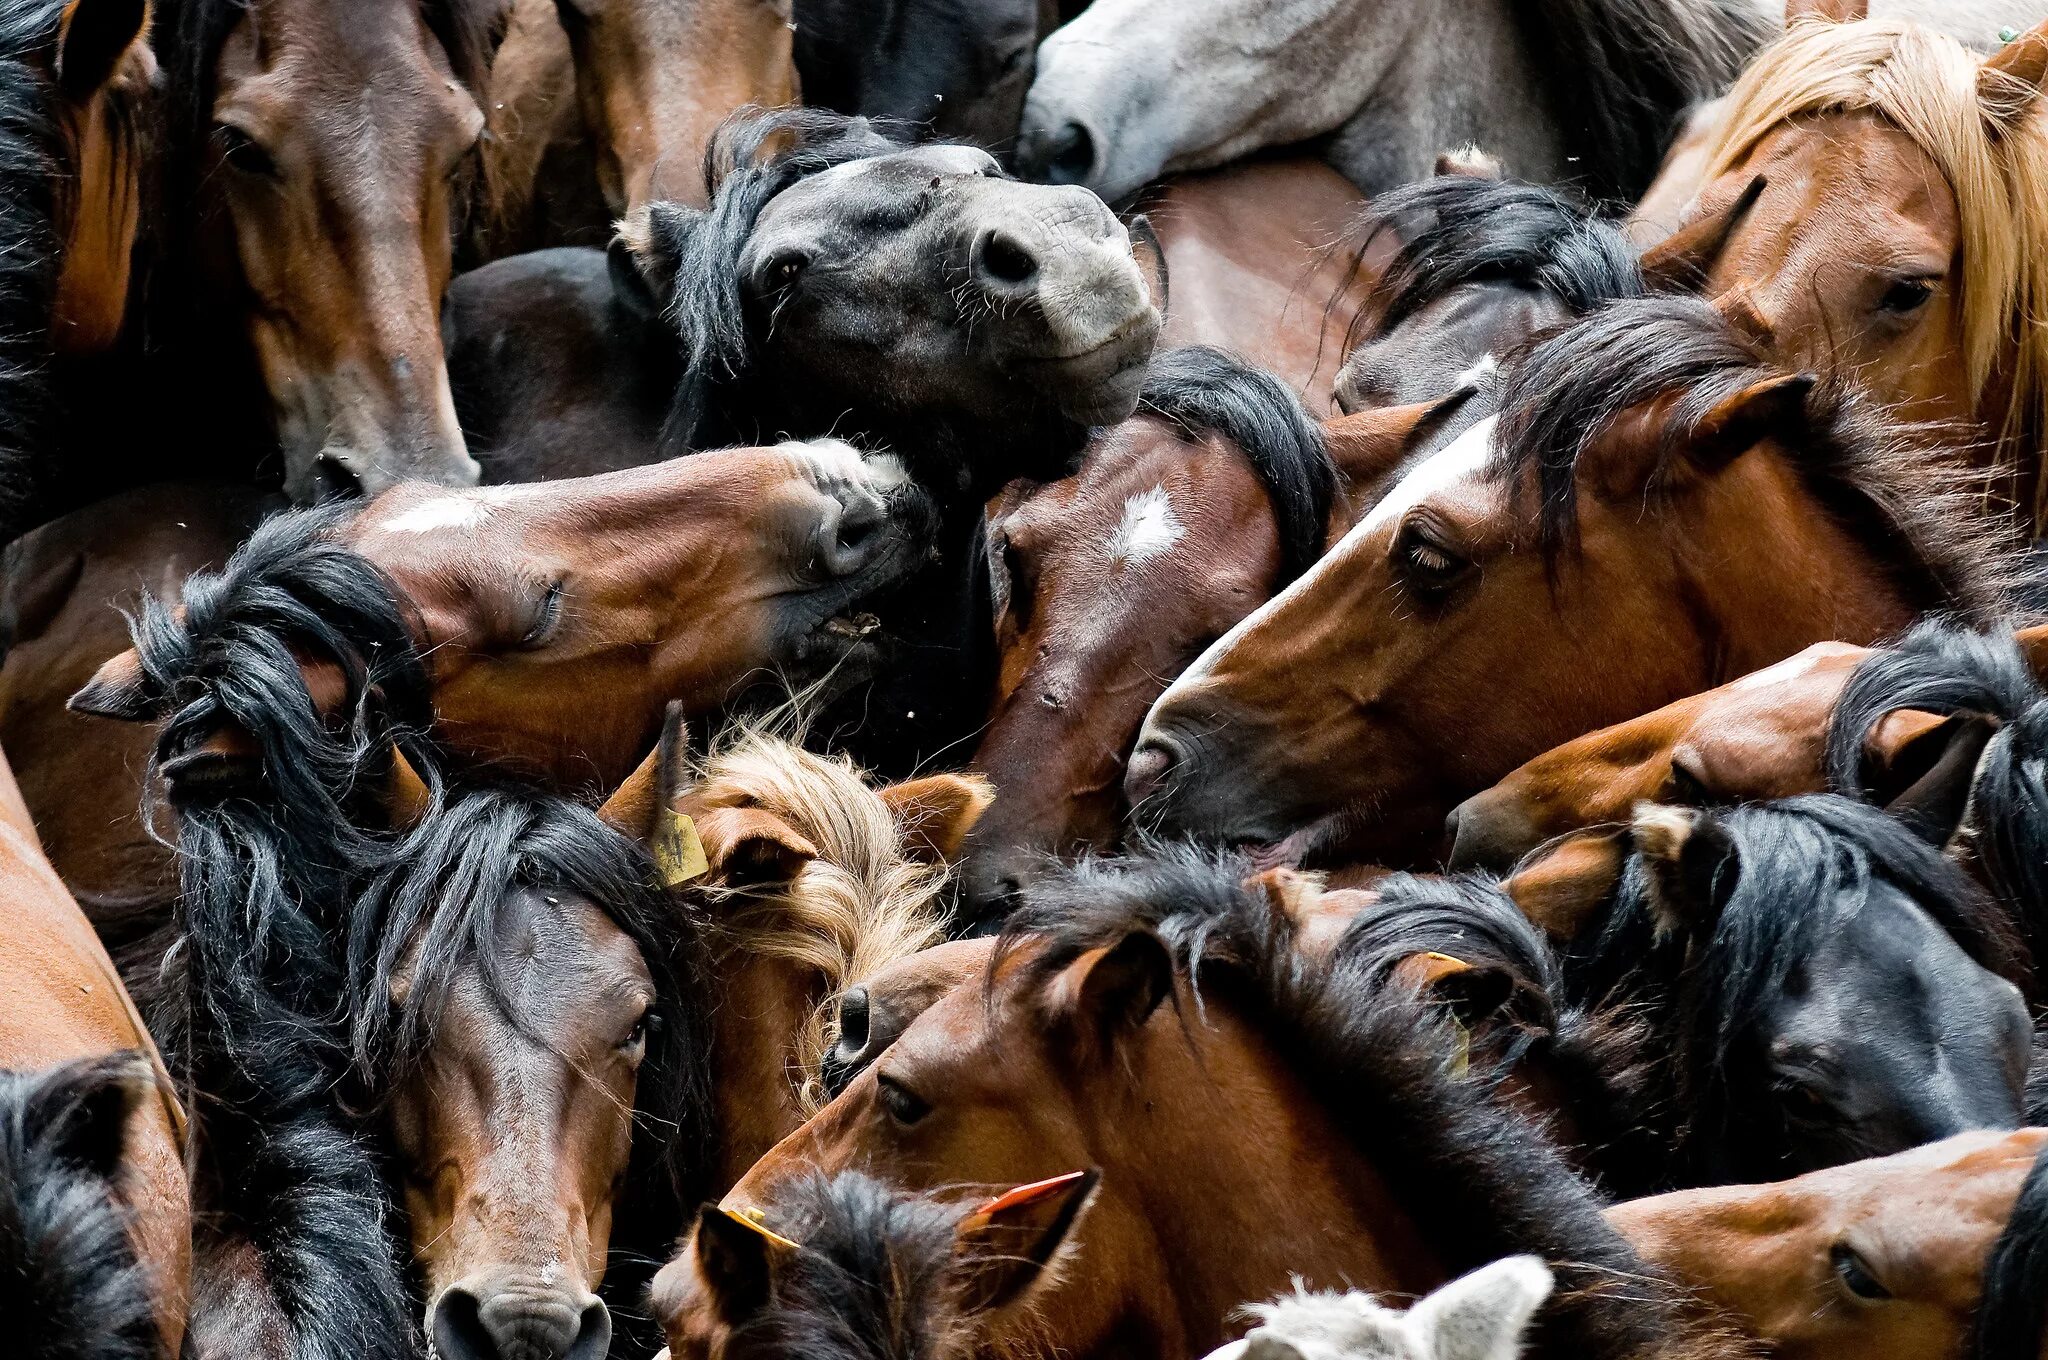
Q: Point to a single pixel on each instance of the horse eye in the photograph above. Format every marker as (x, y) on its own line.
(785, 268)
(1905, 296)
(1430, 567)
(647, 1024)
(241, 151)
(545, 618)
(904, 1105)
(1855, 1273)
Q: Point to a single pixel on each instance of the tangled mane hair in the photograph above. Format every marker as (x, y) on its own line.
(859, 906)
(1456, 230)
(70, 1285)
(248, 1008)
(1993, 153)
(1805, 864)
(32, 153)
(1198, 390)
(437, 912)
(754, 155)
(2013, 1305)
(1479, 1180)
(1910, 513)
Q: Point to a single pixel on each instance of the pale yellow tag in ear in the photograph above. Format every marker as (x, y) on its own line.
(1461, 1062)
(677, 851)
(751, 1218)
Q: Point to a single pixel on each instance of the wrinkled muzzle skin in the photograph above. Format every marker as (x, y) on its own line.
(338, 130)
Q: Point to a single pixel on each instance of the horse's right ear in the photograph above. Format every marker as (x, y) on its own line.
(1008, 1246)
(1560, 886)
(1681, 262)
(1116, 987)
(1481, 1316)
(636, 807)
(1833, 11)
(80, 1110)
(119, 689)
(1692, 865)
(647, 252)
(1370, 444)
(1920, 767)
(737, 1259)
(92, 38)
(2011, 79)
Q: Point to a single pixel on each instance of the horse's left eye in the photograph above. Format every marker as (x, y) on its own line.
(636, 1037)
(545, 618)
(904, 1105)
(785, 269)
(1430, 566)
(1905, 296)
(1855, 1273)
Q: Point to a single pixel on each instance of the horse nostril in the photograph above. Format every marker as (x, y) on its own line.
(458, 1330)
(593, 1333)
(1151, 765)
(334, 479)
(855, 1015)
(1002, 263)
(1073, 156)
(517, 1323)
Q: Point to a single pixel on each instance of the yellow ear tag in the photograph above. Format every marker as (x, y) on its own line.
(1461, 1061)
(750, 1218)
(677, 851)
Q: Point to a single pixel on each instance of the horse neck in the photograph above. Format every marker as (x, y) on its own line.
(763, 1002)
(1770, 571)
(1240, 1217)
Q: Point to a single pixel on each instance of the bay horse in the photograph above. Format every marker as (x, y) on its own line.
(1562, 90)
(315, 163)
(1178, 522)
(1089, 1045)
(95, 1208)
(1895, 238)
(1924, 1255)
(1353, 711)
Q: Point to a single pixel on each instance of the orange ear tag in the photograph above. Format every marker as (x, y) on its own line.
(1026, 1195)
(678, 853)
(752, 1219)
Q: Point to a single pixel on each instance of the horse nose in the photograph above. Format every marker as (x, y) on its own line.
(520, 1324)
(1065, 155)
(849, 1053)
(1004, 266)
(1488, 834)
(859, 532)
(1152, 766)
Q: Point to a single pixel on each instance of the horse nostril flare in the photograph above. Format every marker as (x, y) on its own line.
(458, 1330)
(1002, 263)
(1150, 766)
(855, 1016)
(1073, 156)
(593, 1333)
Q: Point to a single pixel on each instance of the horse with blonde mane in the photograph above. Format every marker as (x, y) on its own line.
(1877, 199)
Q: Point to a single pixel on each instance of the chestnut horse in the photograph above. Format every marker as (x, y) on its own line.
(1924, 1255)
(1591, 517)
(1179, 522)
(1088, 1045)
(1897, 238)
(98, 1222)
(315, 158)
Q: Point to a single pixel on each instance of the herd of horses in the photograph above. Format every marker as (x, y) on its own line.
(817, 680)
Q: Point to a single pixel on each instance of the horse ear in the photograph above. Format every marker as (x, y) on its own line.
(92, 38)
(750, 846)
(80, 1111)
(1922, 766)
(1773, 407)
(1471, 993)
(1007, 1247)
(1469, 162)
(1831, 11)
(1481, 1316)
(936, 813)
(635, 808)
(736, 1259)
(1681, 262)
(2011, 78)
(408, 799)
(1116, 987)
(1560, 885)
(1150, 253)
(647, 252)
(1368, 445)
(118, 689)
(1692, 864)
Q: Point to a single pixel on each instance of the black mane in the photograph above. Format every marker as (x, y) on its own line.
(32, 156)
(1199, 389)
(438, 907)
(1624, 71)
(2014, 1304)
(1460, 229)
(1569, 388)
(1480, 1181)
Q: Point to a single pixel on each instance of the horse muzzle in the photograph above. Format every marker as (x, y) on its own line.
(519, 1319)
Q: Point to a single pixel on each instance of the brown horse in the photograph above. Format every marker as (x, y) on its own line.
(1178, 523)
(1593, 517)
(316, 161)
(1897, 236)
(1918, 1256)
(115, 1120)
(1089, 1045)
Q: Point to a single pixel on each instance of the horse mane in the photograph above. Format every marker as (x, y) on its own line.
(70, 1283)
(754, 155)
(1910, 511)
(1625, 70)
(1460, 229)
(1995, 161)
(439, 905)
(32, 154)
(1479, 1180)
(861, 905)
(2014, 1302)
(247, 1010)
(1199, 389)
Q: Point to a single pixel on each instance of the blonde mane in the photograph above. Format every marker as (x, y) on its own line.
(860, 905)
(1994, 153)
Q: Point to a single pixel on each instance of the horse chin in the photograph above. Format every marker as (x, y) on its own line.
(1099, 385)
(845, 651)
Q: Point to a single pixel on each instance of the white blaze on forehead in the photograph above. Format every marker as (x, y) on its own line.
(442, 512)
(1148, 528)
(1794, 666)
(1459, 461)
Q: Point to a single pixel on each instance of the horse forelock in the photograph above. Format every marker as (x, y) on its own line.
(32, 150)
(1925, 83)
